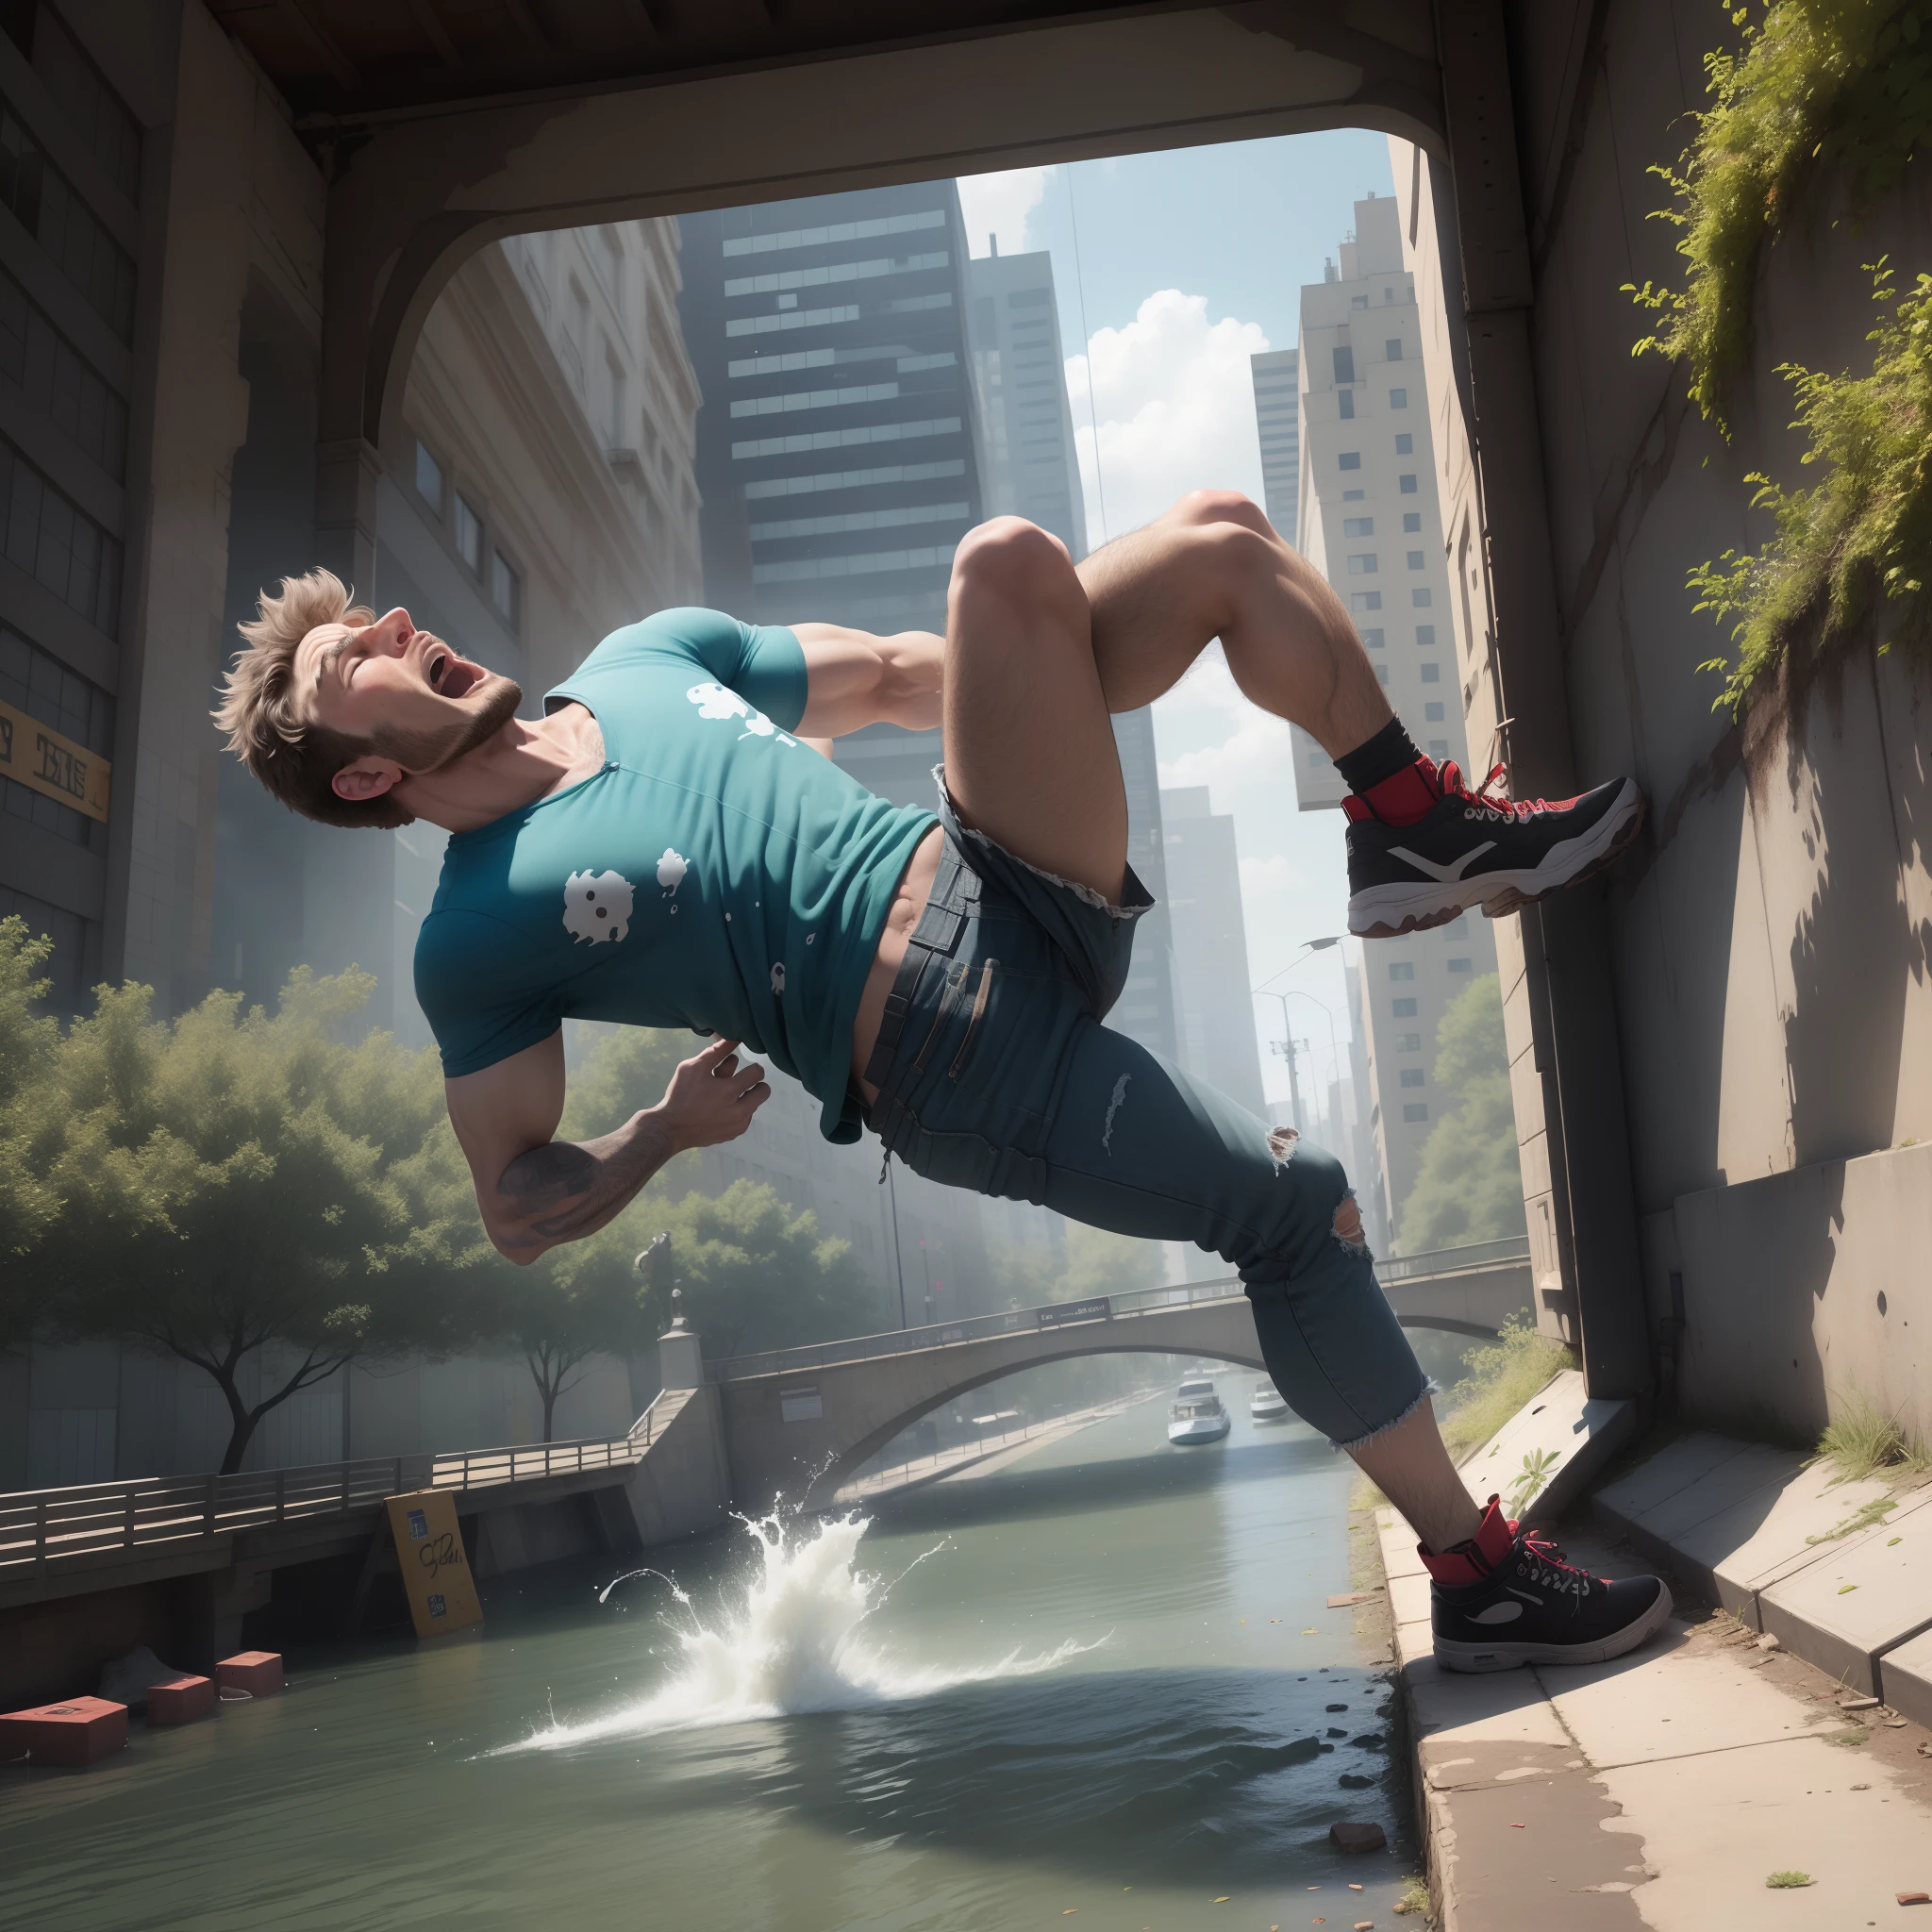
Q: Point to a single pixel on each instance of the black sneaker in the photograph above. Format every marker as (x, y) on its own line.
(1524, 1604)
(1478, 848)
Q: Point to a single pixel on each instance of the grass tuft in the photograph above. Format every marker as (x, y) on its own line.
(1788, 1881)
(1863, 1441)
(1500, 1379)
(1416, 1899)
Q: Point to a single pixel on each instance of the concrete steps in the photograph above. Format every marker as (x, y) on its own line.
(1840, 1573)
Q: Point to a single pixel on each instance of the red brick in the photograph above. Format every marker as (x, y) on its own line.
(181, 1700)
(76, 1731)
(257, 1672)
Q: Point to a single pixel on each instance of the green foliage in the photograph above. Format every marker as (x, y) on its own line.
(1863, 531)
(1864, 1441)
(1500, 1379)
(1815, 82)
(754, 1274)
(29, 1197)
(1469, 1185)
(1093, 1262)
(1788, 1881)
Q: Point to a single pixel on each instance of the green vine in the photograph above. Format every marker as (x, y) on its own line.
(1864, 529)
(1848, 84)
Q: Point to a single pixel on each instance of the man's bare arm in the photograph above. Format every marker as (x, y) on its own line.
(536, 1191)
(856, 679)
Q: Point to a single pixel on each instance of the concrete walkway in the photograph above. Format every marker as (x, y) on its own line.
(1663, 1789)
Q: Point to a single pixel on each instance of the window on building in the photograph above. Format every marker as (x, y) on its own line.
(1409, 1043)
(1349, 459)
(1352, 495)
(1381, 673)
(1373, 638)
(1392, 348)
(1362, 564)
(1456, 929)
(1318, 761)
(1398, 399)
(1432, 674)
(1357, 301)
(1438, 748)
(506, 590)
(1425, 633)
(1402, 1009)
(52, 538)
(1414, 1110)
(429, 479)
(1421, 600)
(1407, 485)
(1414, 1077)
(1413, 521)
(1401, 969)
(1365, 600)
(1405, 444)
(1433, 713)
(1358, 527)
(469, 531)
(1415, 560)
(1345, 398)
(1458, 965)
(1344, 366)
(787, 301)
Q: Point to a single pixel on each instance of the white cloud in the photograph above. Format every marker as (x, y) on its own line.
(1175, 406)
(998, 205)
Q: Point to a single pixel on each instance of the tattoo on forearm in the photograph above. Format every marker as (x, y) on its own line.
(564, 1190)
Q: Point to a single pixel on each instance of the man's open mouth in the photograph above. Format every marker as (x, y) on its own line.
(449, 677)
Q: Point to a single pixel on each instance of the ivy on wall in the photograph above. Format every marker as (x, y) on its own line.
(1814, 83)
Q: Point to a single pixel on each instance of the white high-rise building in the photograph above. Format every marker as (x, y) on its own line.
(1369, 521)
(1278, 418)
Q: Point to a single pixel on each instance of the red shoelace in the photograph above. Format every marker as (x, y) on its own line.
(1449, 776)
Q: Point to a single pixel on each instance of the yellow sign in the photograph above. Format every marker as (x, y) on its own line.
(36, 754)
(436, 1575)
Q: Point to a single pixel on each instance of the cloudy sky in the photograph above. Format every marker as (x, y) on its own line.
(1171, 271)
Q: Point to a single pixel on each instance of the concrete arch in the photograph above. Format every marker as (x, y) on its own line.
(415, 191)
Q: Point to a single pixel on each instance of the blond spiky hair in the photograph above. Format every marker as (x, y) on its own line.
(295, 758)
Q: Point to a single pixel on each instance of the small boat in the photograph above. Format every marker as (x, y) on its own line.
(1266, 1405)
(1197, 1415)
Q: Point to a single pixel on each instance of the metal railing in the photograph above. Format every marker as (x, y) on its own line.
(42, 1526)
(1393, 1268)
(1140, 1301)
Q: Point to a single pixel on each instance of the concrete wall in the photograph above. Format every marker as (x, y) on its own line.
(683, 1485)
(1768, 936)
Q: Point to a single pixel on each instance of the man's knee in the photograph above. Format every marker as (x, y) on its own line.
(1011, 558)
(1208, 506)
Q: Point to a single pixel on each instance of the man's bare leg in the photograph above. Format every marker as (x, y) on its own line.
(1211, 567)
(1032, 671)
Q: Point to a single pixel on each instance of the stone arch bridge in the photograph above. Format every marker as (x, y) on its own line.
(800, 1421)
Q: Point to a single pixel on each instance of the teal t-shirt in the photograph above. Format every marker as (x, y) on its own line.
(716, 874)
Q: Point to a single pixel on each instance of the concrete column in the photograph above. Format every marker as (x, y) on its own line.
(1566, 941)
(681, 1357)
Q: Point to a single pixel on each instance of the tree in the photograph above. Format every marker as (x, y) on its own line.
(257, 1183)
(1093, 1262)
(31, 1139)
(754, 1274)
(1469, 1187)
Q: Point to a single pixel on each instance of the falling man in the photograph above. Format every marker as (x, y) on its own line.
(941, 978)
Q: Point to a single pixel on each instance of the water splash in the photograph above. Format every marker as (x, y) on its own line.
(604, 1593)
(794, 1642)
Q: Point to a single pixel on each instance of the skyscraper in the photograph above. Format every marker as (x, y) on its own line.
(1210, 947)
(1013, 325)
(1277, 418)
(1369, 521)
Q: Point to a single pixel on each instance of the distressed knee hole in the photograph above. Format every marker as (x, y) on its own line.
(1281, 1145)
(1347, 1225)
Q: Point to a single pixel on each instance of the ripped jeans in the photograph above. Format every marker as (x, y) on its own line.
(996, 1074)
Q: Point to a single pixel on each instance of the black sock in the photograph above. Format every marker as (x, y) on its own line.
(1391, 750)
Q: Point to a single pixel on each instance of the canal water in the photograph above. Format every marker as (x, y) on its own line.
(1096, 1689)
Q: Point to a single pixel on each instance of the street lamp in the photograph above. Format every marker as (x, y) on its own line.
(1286, 1047)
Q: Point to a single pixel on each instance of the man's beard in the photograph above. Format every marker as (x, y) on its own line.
(420, 752)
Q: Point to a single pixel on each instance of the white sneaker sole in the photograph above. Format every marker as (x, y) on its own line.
(1386, 913)
(1510, 1657)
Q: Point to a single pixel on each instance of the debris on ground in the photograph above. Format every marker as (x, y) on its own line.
(1357, 1835)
